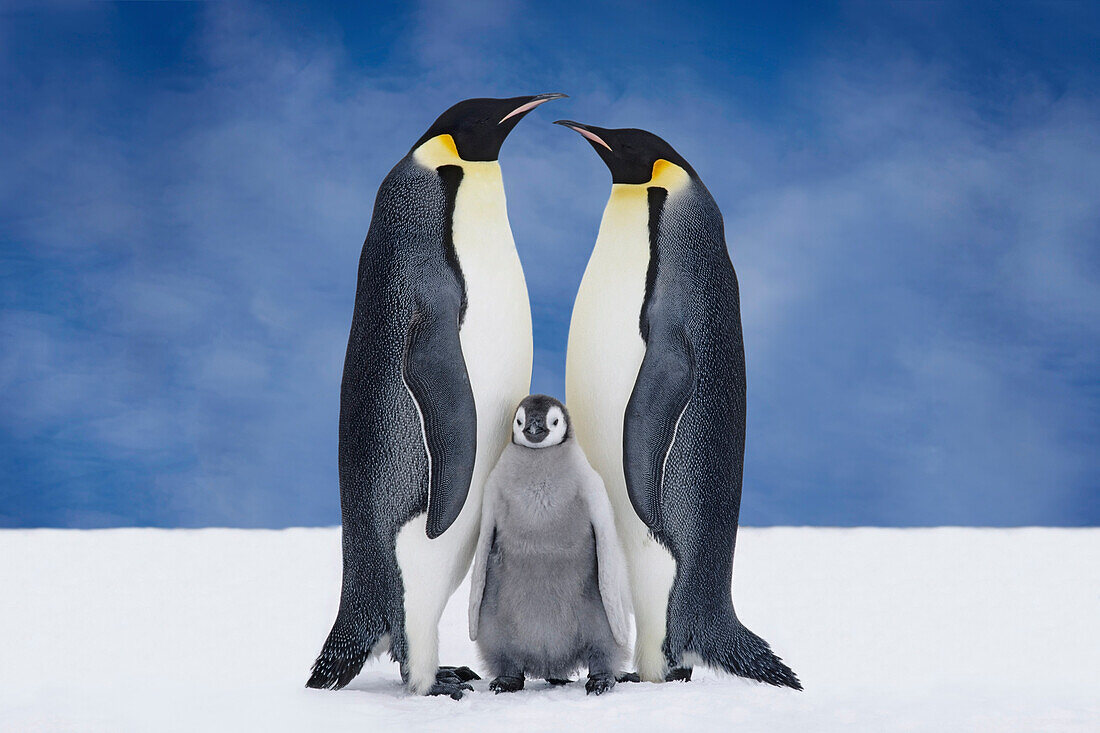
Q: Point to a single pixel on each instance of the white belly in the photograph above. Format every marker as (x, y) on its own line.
(605, 345)
(604, 355)
(496, 334)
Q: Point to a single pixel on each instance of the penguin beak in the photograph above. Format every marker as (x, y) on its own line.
(531, 103)
(535, 431)
(585, 131)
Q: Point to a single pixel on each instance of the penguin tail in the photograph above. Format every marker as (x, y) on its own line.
(343, 656)
(724, 643)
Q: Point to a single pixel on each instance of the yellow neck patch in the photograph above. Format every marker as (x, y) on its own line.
(438, 151)
(666, 175)
(441, 150)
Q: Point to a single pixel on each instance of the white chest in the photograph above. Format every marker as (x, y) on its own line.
(605, 345)
(496, 332)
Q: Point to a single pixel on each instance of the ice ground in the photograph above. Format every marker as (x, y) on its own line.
(210, 630)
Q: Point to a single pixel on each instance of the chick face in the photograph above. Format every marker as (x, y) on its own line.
(540, 422)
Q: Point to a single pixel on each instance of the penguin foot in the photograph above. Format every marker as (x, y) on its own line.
(678, 674)
(456, 674)
(599, 684)
(453, 690)
(558, 682)
(506, 684)
(628, 677)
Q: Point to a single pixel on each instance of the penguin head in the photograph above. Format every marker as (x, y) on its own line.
(477, 127)
(541, 422)
(633, 156)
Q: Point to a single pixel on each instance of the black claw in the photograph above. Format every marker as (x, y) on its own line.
(506, 684)
(463, 674)
(450, 689)
(628, 677)
(443, 675)
(599, 684)
(678, 674)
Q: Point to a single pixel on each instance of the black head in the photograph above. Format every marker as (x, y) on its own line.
(628, 153)
(541, 422)
(479, 126)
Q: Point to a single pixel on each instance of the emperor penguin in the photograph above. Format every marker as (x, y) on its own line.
(549, 591)
(439, 353)
(655, 379)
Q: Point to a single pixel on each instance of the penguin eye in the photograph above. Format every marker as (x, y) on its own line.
(555, 422)
(519, 421)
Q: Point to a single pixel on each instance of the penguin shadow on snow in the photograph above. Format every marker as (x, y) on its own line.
(393, 689)
(382, 687)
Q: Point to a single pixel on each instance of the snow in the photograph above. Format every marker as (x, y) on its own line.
(211, 630)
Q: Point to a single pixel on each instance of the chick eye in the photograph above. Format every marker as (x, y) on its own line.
(555, 422)
(518, 421)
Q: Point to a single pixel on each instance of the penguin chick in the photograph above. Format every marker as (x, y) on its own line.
(549, 592)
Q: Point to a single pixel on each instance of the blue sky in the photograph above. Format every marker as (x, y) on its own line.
(910, 197)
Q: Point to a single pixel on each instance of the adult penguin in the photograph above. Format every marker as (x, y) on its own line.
(439, 354)
(655, 380)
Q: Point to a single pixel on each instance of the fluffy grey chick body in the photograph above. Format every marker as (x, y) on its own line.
(549, 592)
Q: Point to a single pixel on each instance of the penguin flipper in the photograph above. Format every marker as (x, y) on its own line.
(436, 377)
(661, 394)
(484, 546)
(610, 560)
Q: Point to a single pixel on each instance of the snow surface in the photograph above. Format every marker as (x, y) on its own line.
(210, 630)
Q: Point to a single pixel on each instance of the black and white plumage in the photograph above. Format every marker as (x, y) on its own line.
(439, 350)
(655, 379)
(549, 589)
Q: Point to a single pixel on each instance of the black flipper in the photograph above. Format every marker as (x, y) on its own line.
(660, 395)
(435, 373)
